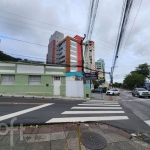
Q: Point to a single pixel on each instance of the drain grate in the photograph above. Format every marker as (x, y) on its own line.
(93, 140)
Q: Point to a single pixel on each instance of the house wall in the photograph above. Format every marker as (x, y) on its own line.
(22, 73)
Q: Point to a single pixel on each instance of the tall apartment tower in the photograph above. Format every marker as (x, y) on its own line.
(90, 56)
(100, 66)
(53, 50)
(70, 53)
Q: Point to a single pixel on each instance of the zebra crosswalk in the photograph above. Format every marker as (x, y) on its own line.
(92, 110)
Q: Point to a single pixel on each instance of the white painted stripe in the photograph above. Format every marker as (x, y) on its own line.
(92, 112)
(5, 64)
(101, 102)
(53, 67)
(96, 108)
(97, 105)
(54, 72)
(73, 56)
(148, 122)
(111, 103)
(7, 71)
(83, 119)
(23, 111)
(73, 60)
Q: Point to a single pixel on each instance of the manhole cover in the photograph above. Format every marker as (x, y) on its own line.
(93, 140)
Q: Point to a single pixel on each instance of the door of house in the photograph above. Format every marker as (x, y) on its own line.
(56, 82)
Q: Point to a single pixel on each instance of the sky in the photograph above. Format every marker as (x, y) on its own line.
(36, 21)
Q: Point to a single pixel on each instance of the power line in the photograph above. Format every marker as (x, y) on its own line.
(133, 23)
(36, 20)
(24, 27)
(30, 25)
(48, 24)
(22, 41)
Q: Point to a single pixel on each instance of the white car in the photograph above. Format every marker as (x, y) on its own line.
(114, 91)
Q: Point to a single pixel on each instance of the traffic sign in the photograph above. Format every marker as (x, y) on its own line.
(91, 76)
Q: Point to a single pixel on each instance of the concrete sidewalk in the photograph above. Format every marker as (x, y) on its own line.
(61, 137)
(44, 96)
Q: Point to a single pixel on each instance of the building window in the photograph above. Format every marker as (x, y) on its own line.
(8, 79)
(34, 80)
(56, 78)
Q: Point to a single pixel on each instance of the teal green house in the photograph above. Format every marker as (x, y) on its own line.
(36, 79)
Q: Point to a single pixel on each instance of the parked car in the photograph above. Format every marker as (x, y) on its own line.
(97, 90)
(114, 91)
(140, 92)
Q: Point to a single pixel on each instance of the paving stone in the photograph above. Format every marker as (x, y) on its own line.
(96, 131)
(94, 126)
(113, 129)
(106, 131)
(58, 144)
(84, 130)
(108, 139)
(6, 140)
(6, 147)
(115, 137)
(40, 146)
(35, 130)
(83, 126)
(103, 126)
(21, 141)
(4, 132)
(58, 136)
(42, 138)
(73, 143)
(125, 146)
(69, 134)
(44, 130)
(112, 146)
(123, 133)
(30, 138)
(69, 127)
(28, 131)
(22, 147)
(57, 129)
(1, 137)
(137, 146)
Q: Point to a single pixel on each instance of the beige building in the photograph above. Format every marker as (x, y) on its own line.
(89, 56)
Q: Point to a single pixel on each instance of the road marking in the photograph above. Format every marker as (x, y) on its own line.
(96, 108)
(97, 105)
(147, 122)
(92, 112)
(99, 101)
(15, 103)
(84, 119)
(23, 111)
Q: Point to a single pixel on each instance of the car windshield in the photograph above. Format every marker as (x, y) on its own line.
(141, 89)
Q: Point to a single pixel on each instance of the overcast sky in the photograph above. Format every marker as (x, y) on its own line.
(36, 20)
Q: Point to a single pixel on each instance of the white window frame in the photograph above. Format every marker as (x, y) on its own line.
(34, 81)
(9, 79)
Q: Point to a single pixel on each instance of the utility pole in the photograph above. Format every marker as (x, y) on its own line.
(81, 43)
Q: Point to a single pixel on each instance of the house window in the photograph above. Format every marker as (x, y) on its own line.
(8, 79)
(56, 78)
(34, 80)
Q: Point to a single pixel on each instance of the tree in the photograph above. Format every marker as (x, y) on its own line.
(144, 70)
(116, 84)
(95, 83)
(134, 80)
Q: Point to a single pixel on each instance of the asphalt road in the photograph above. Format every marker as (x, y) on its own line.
(139, 106)
(30, 111)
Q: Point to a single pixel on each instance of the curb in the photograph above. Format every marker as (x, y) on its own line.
(44, 97)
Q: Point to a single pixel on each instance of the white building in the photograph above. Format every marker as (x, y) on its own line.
(90, 56)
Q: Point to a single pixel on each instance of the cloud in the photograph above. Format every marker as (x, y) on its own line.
(70, 17)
